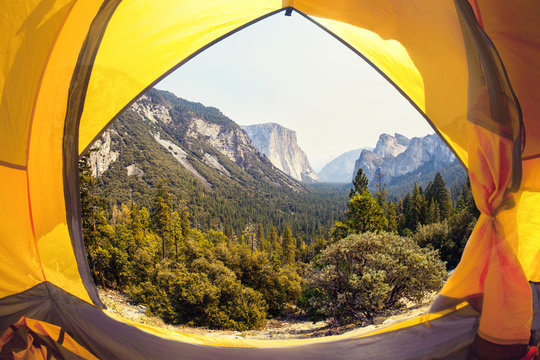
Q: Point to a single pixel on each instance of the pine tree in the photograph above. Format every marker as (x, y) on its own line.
(97, 232)
(391, 216)
(185, 223)
(288, 246)
(260, 237)
(176, 231)
(433, 213)
(416, 208)
(437, 191)
(360, 183)
(380, 194)
(365, 214)
(161, 217)
(388, 206)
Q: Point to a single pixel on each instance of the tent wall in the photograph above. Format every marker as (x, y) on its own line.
(68, 68)
(37, 243)
(137, 50)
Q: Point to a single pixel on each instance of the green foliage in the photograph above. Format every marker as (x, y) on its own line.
(161, 217)
(365, 214)
(97, 231)
(365, 274)
(439, 227)
(185, 275)
(438, 195)
(288, 246)
(360, 183)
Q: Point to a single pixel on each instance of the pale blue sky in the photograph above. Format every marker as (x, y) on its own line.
(288, 71)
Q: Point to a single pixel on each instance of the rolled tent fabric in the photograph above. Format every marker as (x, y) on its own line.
(489, 269)
(514, 30)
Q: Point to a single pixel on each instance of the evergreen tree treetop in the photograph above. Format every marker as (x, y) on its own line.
(360, 183)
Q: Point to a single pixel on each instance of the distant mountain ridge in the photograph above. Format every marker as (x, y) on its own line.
(397, 157)
(280, 146)
(341, 168)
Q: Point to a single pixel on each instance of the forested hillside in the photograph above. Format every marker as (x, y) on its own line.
(225, 182)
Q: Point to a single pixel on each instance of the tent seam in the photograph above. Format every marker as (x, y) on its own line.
(13, 166)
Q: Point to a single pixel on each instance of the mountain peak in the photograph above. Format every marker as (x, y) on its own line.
(280, 146)
(390, 146)
(398, 155)
(340, 169)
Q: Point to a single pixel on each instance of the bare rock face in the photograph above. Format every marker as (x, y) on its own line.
(134, 170)
(101, 155)
(153, 112)
(280, 146)
(397, 155)
(231, 141)
(391, 146)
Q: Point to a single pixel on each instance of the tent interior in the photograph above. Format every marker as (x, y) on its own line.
(70, 67)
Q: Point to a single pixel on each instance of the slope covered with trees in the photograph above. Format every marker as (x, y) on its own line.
(238, 190)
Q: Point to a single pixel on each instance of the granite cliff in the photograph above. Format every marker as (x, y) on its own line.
(396, 156)
(280, 146)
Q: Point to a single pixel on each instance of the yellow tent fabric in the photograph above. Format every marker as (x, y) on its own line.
(68, 68)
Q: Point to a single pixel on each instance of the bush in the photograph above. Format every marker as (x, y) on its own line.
(365, 274)
(279, 286)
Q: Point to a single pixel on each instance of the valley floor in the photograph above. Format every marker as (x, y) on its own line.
(282, 328)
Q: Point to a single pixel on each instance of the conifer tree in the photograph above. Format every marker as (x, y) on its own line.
(380, 194)
(161, 217)
(391, 216)
(260, 237)
(288, 246)
(360, 183)
(433, 213)
(416, 208)
(388, 206)
(437, 191)
(97, 232)
(185, 223)
(176, 231)
(363, 211)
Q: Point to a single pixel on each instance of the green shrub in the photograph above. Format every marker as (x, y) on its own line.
(365, 274)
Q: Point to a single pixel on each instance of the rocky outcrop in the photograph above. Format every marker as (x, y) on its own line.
(231, 141)
(181, 156)
(391, 146)
(397, 155)
(134, 170)
(340, 169)
(279, 145)
(151, 111)
(101, 154)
